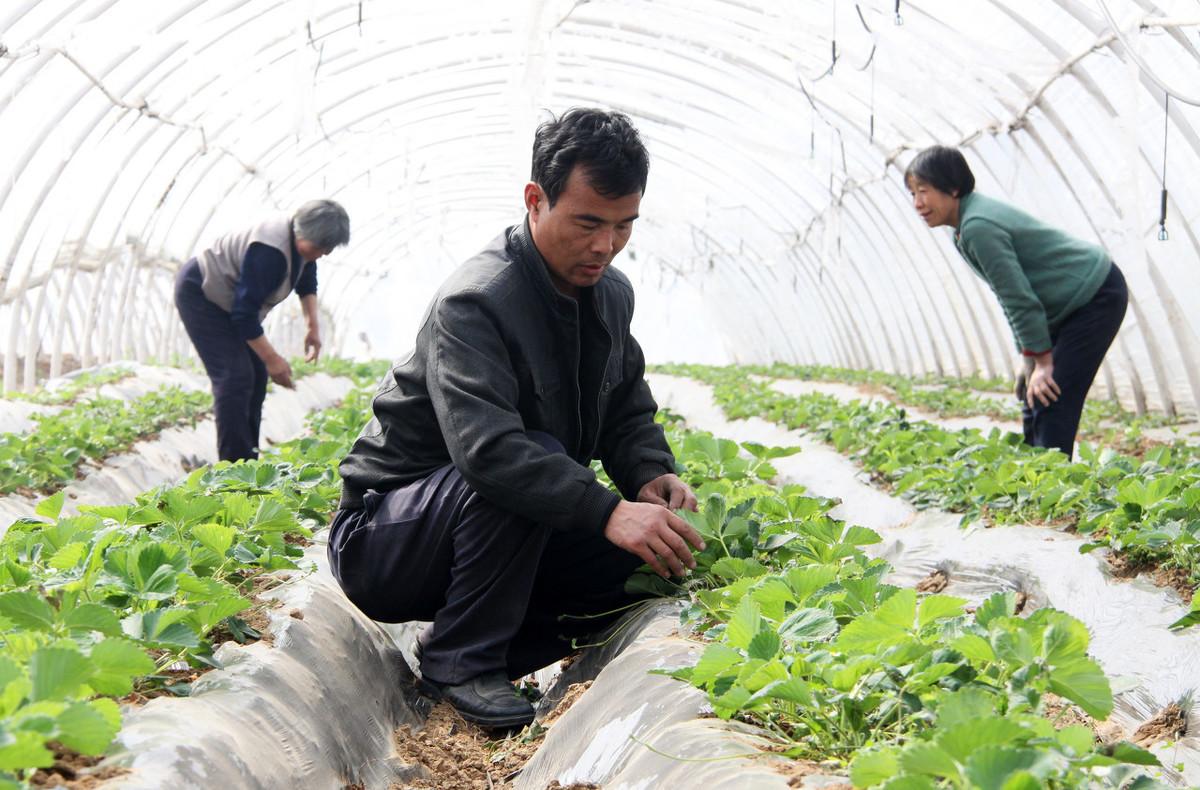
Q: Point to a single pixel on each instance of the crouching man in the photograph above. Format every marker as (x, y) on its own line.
(468, 498)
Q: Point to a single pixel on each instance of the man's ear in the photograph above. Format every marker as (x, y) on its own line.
(535, 199)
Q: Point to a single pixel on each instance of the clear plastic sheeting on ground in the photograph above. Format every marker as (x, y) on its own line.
(316, 706)
(819, 467)
(176, 451)
(16, 416)
(848, 392)
(633, 730)
(1152, 665)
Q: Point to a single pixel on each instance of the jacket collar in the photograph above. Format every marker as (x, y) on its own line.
(964, 208)
(525, 252)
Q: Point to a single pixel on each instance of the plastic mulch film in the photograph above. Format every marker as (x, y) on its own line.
(175, 451)
(1151, 666)
(316, 706)
(633, 730)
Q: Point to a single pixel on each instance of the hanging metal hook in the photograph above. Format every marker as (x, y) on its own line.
(1162, 215)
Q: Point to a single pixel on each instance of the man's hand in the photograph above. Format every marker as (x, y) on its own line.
(655, 534)
(1042, 385)
(668, 491)
(280, 372)
(312, 344)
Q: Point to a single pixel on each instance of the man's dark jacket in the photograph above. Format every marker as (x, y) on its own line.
(499, 354)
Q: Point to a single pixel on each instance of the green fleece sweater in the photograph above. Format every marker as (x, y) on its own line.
(1039, 274)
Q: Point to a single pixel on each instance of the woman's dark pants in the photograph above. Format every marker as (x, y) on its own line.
(1079, 347)
(494, 584)
(239, 377)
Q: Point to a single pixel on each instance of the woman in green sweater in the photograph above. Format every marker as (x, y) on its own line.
(1064, 298)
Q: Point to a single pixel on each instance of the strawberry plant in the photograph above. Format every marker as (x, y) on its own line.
(95, 606)
(1145, 508)
(74, 388)
(49, 457)
(806, 641)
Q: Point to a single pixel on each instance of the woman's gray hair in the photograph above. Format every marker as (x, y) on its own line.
(322, 222)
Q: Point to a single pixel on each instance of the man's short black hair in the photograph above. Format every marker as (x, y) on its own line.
(605, 144)
(944, 168)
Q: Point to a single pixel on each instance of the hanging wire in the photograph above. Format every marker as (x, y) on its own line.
(872, 100)
(871, 33)
(869, 64)
(1162, 215)
(1143, 65)
(899, 19)
(833, 38)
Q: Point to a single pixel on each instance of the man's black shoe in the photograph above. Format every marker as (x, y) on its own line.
(488, 700)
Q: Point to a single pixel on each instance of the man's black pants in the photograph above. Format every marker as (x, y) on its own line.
(1079, 347)
(239, 377)
(493, 583)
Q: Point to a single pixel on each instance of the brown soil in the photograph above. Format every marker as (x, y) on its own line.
(573, 693)
(1106, 732)
(459, 754)
(1064, 714)
(1168, 725)
(1177, 579)
(258, 618)
(935, 582)
(263, 582)
(74, 770)
(1022, 599)
(1114, 439)
(797, 770)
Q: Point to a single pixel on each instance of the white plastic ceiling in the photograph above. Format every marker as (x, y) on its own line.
(775, 227)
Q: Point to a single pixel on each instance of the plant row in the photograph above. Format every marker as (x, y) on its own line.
(74, 388)
(109, 602)
(1103, 421)
(49, 456)
(1147, 508)
(912, 692)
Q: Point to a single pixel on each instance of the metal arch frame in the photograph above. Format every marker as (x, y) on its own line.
(201, 178)
(1162, 293)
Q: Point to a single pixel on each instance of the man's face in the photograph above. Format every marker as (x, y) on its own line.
(581, 234)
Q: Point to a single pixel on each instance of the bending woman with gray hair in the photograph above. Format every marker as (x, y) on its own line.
(224, 293)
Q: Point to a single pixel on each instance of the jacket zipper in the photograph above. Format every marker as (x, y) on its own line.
(604, 375)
